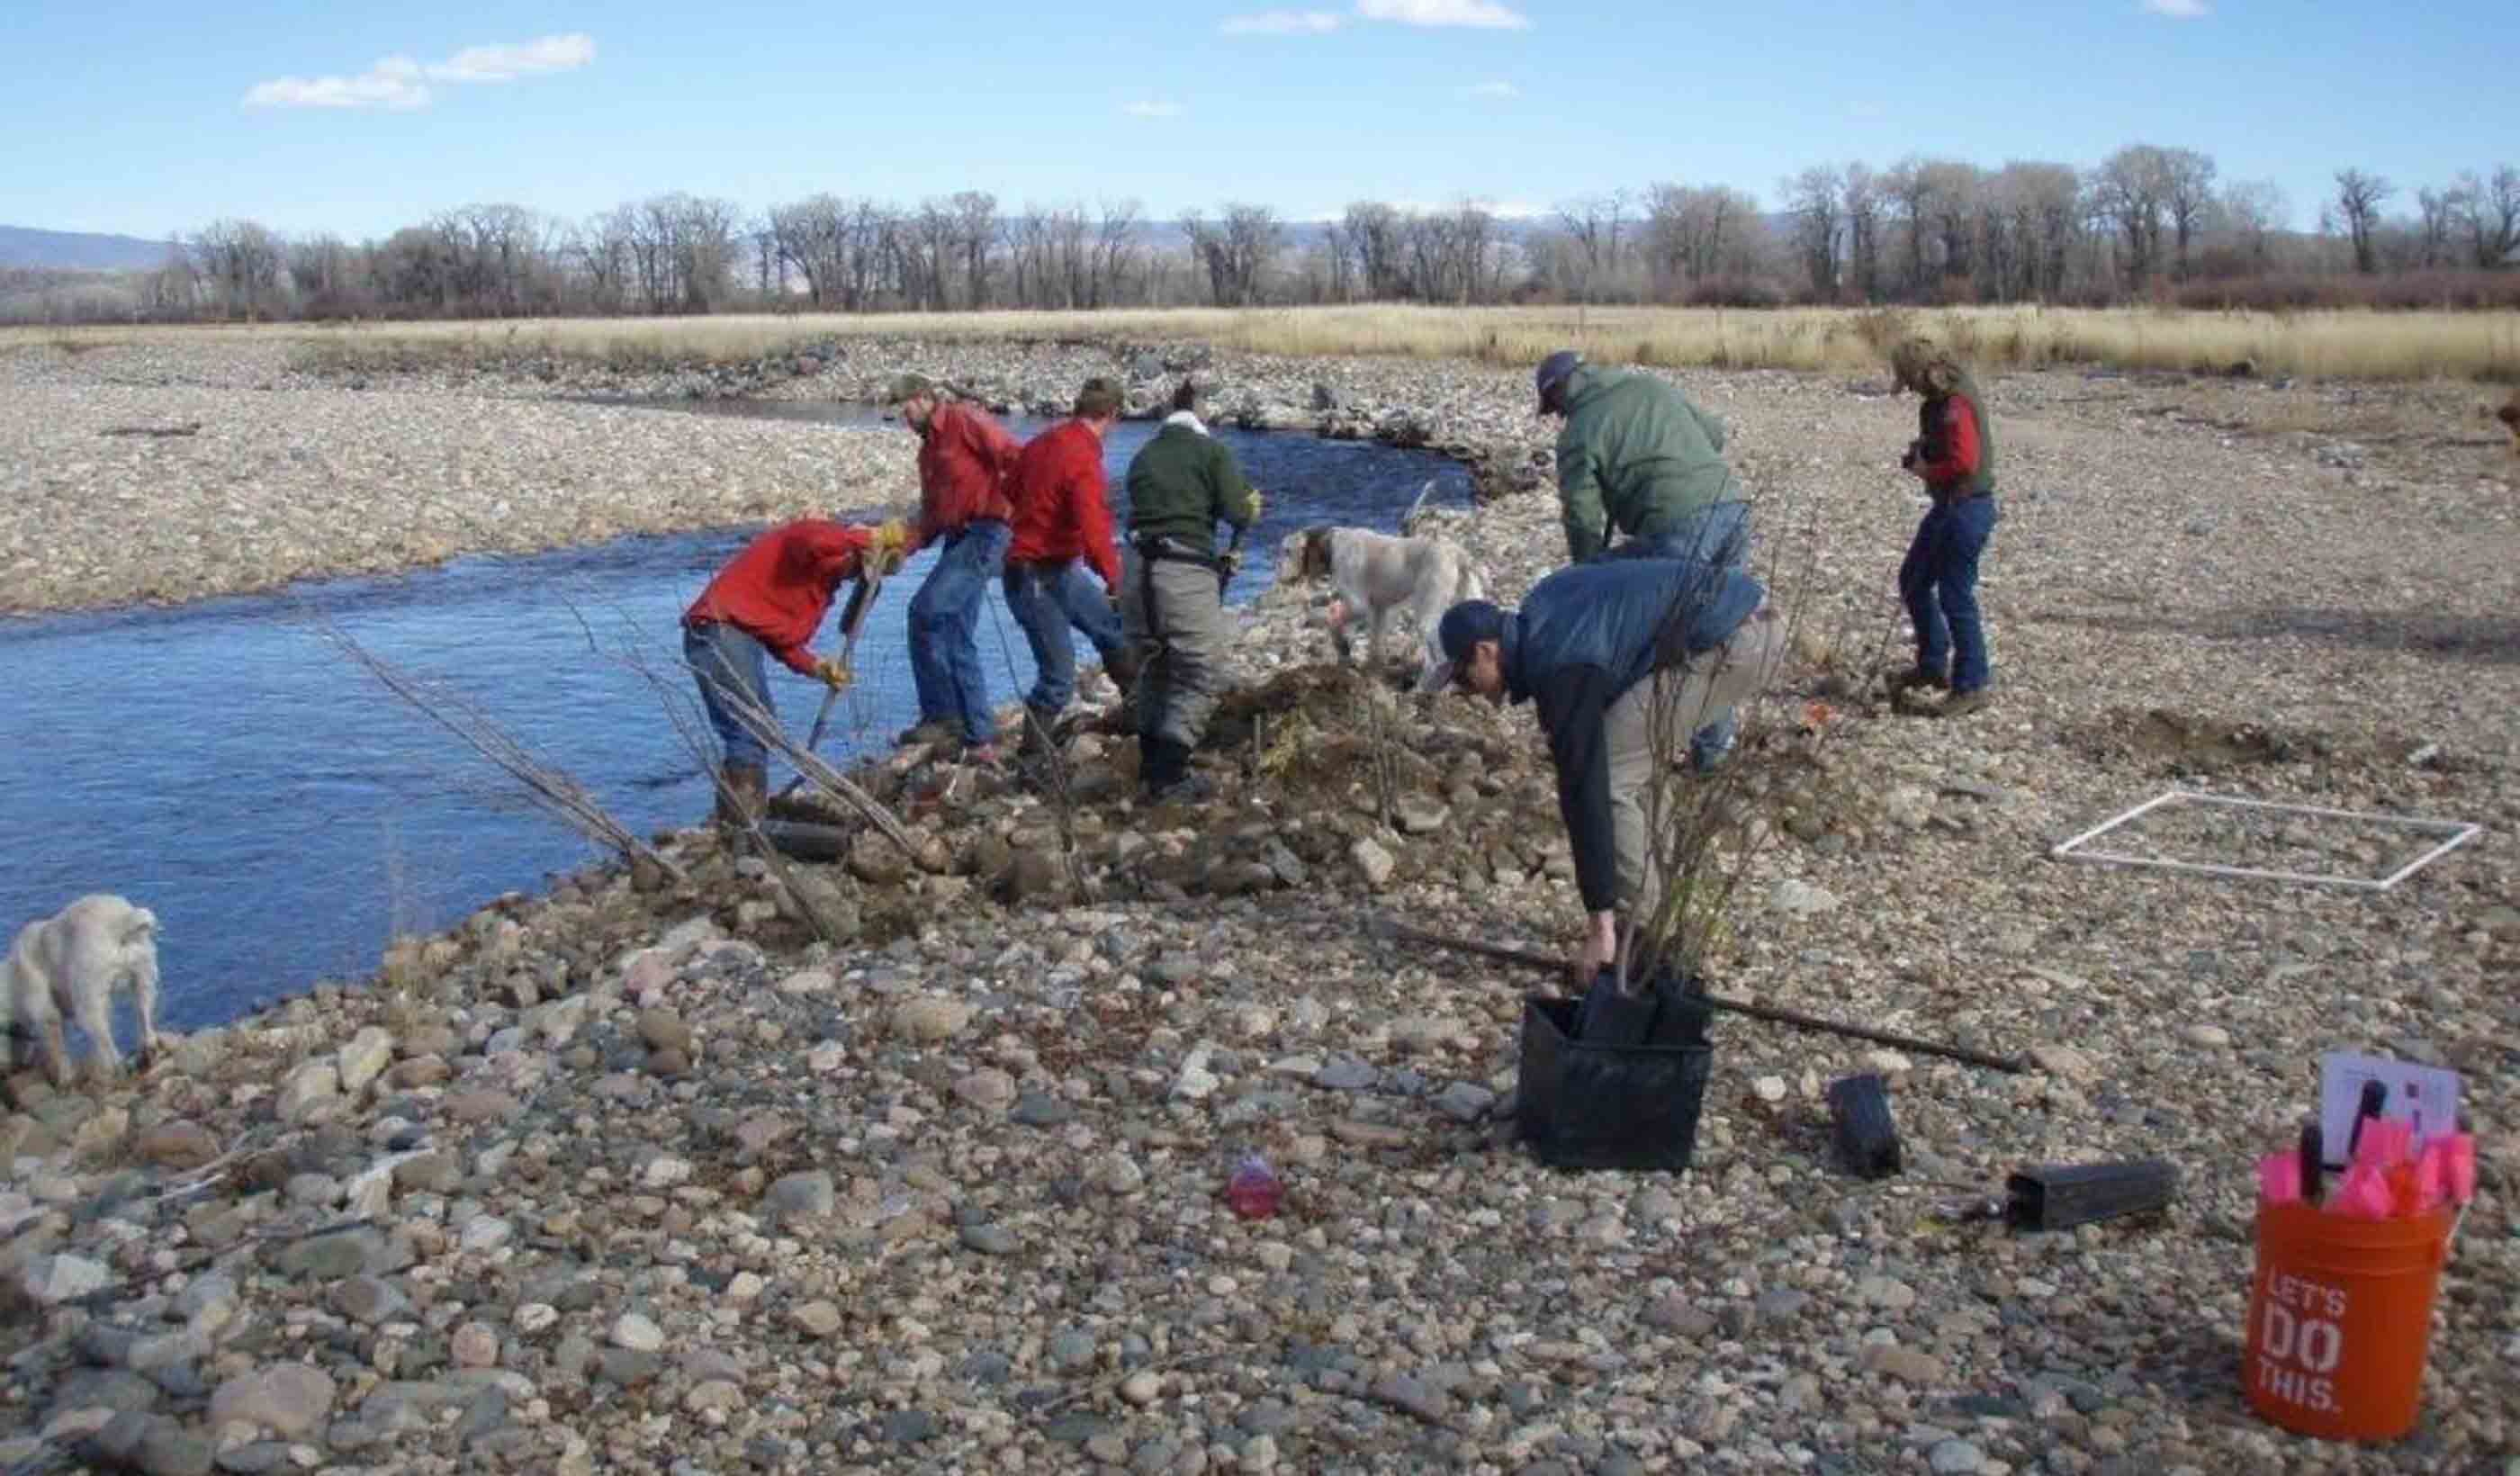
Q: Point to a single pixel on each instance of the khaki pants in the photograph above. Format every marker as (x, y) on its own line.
(1678, 700)
(1175, 620)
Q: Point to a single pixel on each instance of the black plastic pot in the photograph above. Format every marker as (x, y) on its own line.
(1625, 1096)
(807, 841)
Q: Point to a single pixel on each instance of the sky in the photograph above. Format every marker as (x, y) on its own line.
(159, 117)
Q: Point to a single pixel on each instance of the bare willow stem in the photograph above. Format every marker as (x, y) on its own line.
(550, 787)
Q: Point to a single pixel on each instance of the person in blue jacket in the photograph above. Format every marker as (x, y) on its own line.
(1602, 650)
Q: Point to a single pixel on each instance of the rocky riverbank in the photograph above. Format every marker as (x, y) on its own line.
(914, 1161)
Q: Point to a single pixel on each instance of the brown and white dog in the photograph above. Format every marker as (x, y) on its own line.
(71, 963)
(1378, 575)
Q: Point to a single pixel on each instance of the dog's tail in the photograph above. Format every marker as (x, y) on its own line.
(1409, 519)
(1471, 585)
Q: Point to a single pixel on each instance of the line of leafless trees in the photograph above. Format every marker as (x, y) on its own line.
(2147, 223)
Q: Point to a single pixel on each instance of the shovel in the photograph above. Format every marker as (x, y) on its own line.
(852, 620)
(1389, 928)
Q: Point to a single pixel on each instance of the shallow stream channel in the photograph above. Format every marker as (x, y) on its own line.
(228, 766)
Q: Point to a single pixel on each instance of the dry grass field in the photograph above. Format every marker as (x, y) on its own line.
(2324, 344)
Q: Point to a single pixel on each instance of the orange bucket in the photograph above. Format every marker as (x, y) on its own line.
(2341, 1321)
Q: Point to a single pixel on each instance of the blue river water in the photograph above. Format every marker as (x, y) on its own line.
(231, 768)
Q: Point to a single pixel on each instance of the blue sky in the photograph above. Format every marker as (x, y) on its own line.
(160, 116)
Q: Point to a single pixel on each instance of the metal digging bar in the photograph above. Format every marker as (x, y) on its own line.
(1529, 960)
(852, 620)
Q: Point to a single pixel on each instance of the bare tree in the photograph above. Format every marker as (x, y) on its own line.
(240, 263)
(2188, 190)
(975, 230)
(1596, 223)
(1950, 191)
(2252, 210)
(2357, 202)
(1812, 201)
(1862, 207)
(1117, 251)
(2131, 191)
(1377, 229)
(811, 238)
(2490, 208)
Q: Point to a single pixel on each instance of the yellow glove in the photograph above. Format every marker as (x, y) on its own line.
(1257, 503)
(833, 673)
(879, 562)
(893, 535)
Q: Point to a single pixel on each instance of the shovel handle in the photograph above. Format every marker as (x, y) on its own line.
(1767, 1013)
(852, 621)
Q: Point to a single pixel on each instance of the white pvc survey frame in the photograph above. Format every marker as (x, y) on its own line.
(2459, 832)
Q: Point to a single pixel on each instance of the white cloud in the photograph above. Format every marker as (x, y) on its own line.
(388, 85)
(2179, 9)
(504, 64)
(1280, 23)
(1487, 15)
(400, 84)
(1153, 109)
(1491, 90)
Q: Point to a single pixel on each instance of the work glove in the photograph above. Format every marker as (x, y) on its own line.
(1258, 501)
(894, 534)
(879, 562)
(833, 673)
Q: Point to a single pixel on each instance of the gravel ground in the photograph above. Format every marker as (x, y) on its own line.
(918, 1166)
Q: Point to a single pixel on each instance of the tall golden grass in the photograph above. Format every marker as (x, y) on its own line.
(2344, 343)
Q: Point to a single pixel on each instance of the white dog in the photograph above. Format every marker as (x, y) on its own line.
(1378, 575)
(71, 963)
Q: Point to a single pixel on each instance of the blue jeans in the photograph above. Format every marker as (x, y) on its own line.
(1046, 600)
(1718, 534)
(724, 655)
(944, 630)
(1939, 581)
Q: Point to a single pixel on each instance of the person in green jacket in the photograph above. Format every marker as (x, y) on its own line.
(1637, 457)
(1172, 590)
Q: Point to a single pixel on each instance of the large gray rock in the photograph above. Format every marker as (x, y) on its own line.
(287, 1399)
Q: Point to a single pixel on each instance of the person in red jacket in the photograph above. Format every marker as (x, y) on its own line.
(1954, 456)
(769, 600)
(1062, 520)
(964, 459)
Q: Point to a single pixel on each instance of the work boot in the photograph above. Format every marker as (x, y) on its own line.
(936, 731)
(1163, 771)
(744, 790)
(1961, 704)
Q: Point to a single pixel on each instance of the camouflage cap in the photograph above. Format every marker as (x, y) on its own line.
(910, 386)
(1099, 395)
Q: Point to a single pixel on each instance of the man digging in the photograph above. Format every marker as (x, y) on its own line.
(1637, 457)
(1062, 520)
(964, 459)
(1172, 590)
(1597, 650)
(770, 600)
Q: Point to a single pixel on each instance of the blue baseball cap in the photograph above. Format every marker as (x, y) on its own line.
(1551, 375)
(1463, 628)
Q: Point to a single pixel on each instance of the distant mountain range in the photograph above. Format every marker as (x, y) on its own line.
(78, 251)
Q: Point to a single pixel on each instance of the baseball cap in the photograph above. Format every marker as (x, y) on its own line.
(1552, 373)
(1461, 629)
(908, 386)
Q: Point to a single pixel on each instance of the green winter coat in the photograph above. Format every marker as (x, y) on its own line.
(1181, 483)
(1635, 456)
